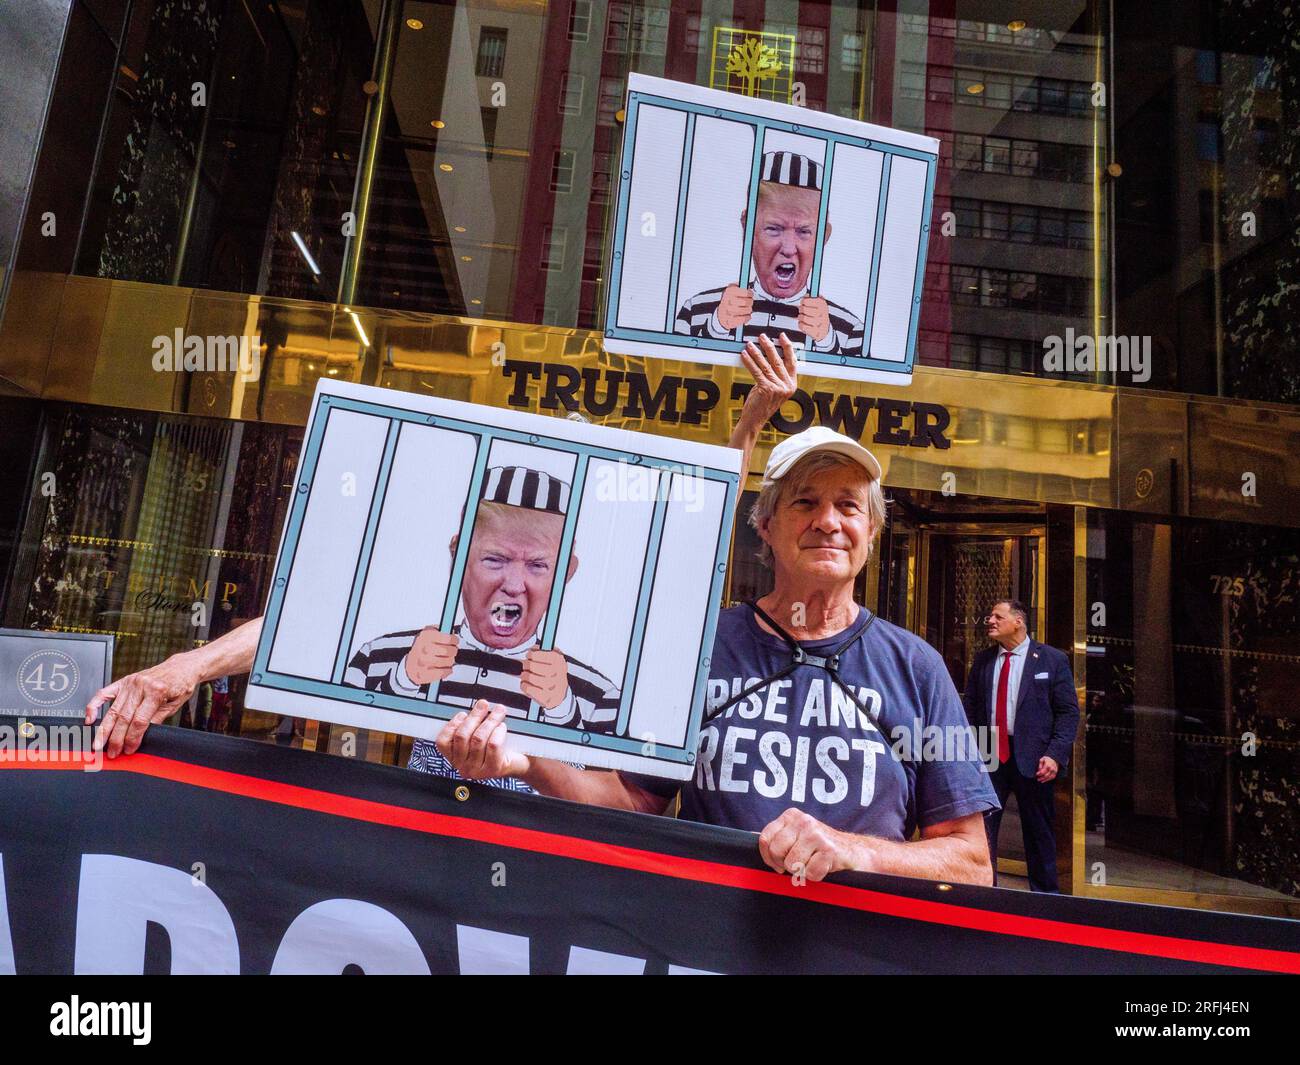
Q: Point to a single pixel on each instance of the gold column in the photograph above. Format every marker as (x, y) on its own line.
(1078, 874)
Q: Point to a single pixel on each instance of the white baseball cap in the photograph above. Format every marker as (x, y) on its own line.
(818, 438)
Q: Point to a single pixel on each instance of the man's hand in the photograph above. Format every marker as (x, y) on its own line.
(140, 700)
(475, 743)
(431, 656)
(545, 677)
(776, 376)
(798, 844)
(815, 317)
(1047, 770)
(736, 307)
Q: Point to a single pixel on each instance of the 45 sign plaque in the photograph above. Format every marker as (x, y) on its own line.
(51, 674)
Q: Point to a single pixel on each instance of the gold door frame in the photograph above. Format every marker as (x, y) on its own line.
(926, 531)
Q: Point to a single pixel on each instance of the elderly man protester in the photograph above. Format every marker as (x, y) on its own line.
(808, 695)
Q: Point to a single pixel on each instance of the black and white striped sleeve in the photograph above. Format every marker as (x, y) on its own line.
(698, 316)
(591, 703)
(845, 334)
(380, 666)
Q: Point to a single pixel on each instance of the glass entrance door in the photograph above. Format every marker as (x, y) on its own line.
(939, 578)
(965, 574)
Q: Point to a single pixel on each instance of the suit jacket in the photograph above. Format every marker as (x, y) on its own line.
(1046, 709)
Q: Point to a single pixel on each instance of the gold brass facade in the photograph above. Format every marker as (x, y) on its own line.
(92, 340)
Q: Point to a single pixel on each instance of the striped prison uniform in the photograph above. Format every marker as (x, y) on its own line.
(482, 673)
(699, 318)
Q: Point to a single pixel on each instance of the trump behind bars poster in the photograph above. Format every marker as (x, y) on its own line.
(739, 216)
(438, 553)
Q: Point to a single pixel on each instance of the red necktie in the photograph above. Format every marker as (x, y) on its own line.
(1004, 737)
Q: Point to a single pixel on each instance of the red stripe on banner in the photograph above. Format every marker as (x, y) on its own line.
(696, 869)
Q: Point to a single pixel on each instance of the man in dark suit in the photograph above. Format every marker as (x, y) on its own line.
(1024, 689)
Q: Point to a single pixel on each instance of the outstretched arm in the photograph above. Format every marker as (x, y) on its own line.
(776, 376)
(153, 695)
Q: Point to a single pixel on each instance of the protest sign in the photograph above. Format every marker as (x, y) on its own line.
(437, 553)
(738, 216)
(308, 863)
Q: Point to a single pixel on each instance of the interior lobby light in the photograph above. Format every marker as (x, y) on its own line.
(356, 324)
(975, 88)
(438, 123)
(302, 248)
(467, 258)
(445, 167)
(414, 24)
(459, 229)
(1016, 25)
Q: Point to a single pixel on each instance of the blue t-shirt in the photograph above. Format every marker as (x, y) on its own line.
(800, 741)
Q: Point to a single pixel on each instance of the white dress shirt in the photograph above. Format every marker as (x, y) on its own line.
(1018, 655)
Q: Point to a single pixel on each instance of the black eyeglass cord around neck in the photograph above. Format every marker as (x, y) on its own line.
(800, 657)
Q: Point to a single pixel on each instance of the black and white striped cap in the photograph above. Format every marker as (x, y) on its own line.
(787, 168)
(521, 487)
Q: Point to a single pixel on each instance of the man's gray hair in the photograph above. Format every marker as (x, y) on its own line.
(805, 471)
(1014, 606)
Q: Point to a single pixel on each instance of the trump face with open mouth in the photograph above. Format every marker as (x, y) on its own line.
(511, 566)
(785, 238)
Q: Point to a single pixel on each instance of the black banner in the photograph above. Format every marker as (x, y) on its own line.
(210, 854)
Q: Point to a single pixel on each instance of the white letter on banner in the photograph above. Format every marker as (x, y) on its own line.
(326, 938)
(7, 966)
(118, 896)
(585, 962)
(484, 952)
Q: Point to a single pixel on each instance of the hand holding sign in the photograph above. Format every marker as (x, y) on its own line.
(776, 377)
(736, 307)
(545, 677)
(475, 743)
(798, 844)
(431, 656)
(140, 700)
